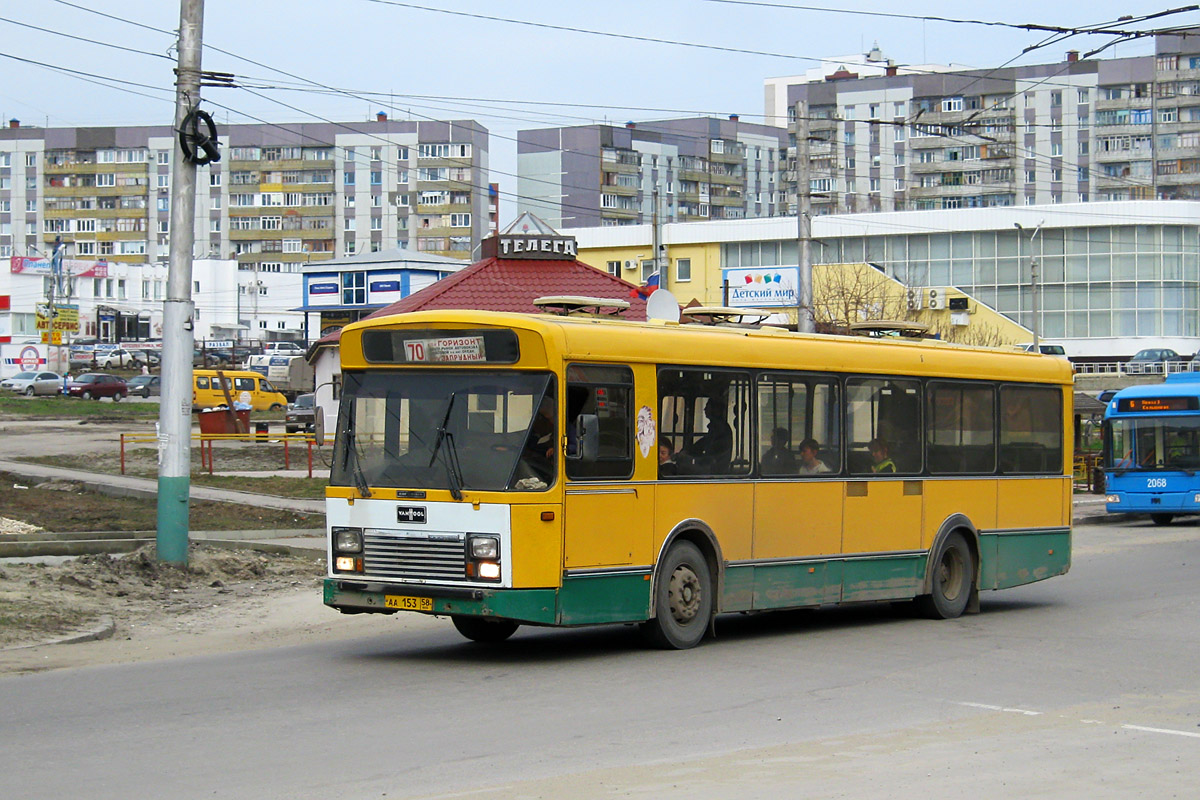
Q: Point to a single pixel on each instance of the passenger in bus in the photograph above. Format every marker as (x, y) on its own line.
(879, 455)
(711, 453)
(809, 463)
(779, 460)
(666, 458)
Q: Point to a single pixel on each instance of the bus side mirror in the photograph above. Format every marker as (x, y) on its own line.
(319, 425)
(587, 438)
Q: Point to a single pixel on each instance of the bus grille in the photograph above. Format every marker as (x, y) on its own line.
(420, 557)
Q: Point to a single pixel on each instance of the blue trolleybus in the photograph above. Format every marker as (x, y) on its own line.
(1152, 449)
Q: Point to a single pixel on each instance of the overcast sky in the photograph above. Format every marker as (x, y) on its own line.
(384, 53)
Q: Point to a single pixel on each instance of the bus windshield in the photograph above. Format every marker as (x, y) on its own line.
(1146, 443)
(447, 430)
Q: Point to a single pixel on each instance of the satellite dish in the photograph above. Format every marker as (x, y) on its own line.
(662, 305)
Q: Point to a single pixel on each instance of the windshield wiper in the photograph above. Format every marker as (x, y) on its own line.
(453, 469)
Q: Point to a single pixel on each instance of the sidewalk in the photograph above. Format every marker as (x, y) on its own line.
(129, 486)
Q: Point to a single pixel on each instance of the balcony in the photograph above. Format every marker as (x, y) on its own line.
(623, 191)
(726, 180)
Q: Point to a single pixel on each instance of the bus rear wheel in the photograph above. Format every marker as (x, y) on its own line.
(481, 629)
(952, 580)
(1161, 519)
(683, 599)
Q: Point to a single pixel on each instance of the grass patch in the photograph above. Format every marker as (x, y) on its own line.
(73, 408)
(67, 508)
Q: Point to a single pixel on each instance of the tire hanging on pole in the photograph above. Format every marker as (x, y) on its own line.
(198, 138)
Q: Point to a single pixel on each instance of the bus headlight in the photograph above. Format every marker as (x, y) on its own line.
(347, 540)
(485, 547)
(1116, 498)
(483, 557)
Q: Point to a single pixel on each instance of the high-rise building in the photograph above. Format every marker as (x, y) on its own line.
(1074, 131)
(281, 196)
(694, 169)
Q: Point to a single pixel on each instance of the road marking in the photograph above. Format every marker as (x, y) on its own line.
(988, 707)
(1161, 730)
(1028, 713)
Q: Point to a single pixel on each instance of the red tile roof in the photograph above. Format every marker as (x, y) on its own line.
(507, 284)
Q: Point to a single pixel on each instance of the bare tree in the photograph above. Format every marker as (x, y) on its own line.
(847, 293)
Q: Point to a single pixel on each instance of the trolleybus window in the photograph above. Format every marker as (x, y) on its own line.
(960, 428)
(706, 416)
(794, 410)
(883, 426)
(1030, 429)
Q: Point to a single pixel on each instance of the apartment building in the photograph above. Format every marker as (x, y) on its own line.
(1067, 132)
(282, 195)
(682, 169)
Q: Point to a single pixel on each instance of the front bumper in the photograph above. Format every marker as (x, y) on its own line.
(358, 596)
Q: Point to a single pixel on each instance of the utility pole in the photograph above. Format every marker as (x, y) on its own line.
(804, 288)
(1033, 278)
(655, 223)
(175, 412)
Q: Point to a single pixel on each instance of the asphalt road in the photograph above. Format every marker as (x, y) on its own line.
(1082, 686)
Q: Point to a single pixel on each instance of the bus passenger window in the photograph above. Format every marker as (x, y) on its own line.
(1031, 429)
(883, 426)
(959, 422)
(706, 416)
(202, 382)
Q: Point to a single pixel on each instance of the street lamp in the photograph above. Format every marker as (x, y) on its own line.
(1033, 275)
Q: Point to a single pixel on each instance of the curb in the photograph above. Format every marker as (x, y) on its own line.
(104, 628)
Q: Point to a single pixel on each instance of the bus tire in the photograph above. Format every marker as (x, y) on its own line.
(951, 580)
(481, 629)
(683, 596)
(275, 407)
(1161, 519)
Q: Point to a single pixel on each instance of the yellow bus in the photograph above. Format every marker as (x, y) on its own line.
(507, 470)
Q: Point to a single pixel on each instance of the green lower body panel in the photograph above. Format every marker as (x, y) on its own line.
(1013, 558)
(896, 577)
(1007, 558)
(591, 599)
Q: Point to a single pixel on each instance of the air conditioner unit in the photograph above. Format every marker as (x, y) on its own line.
(937, 299)
(915, 299)
(630, 264)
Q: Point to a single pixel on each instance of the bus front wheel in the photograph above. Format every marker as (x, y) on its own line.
(952, 579)
(481, 629)
(683, 599)
(1161, 519)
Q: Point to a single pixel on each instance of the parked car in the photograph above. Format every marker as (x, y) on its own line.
(117, 357)
(301, 415)
(94, 385)
(282, 349)
(1151, 360)
(1045, 349)
(150, 358)
(31, 383)
(145, 385)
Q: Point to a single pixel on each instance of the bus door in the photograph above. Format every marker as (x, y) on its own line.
(607, 517)
(798, 496)
(882, 507)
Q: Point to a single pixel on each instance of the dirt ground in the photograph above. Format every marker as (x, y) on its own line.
(224, 600)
